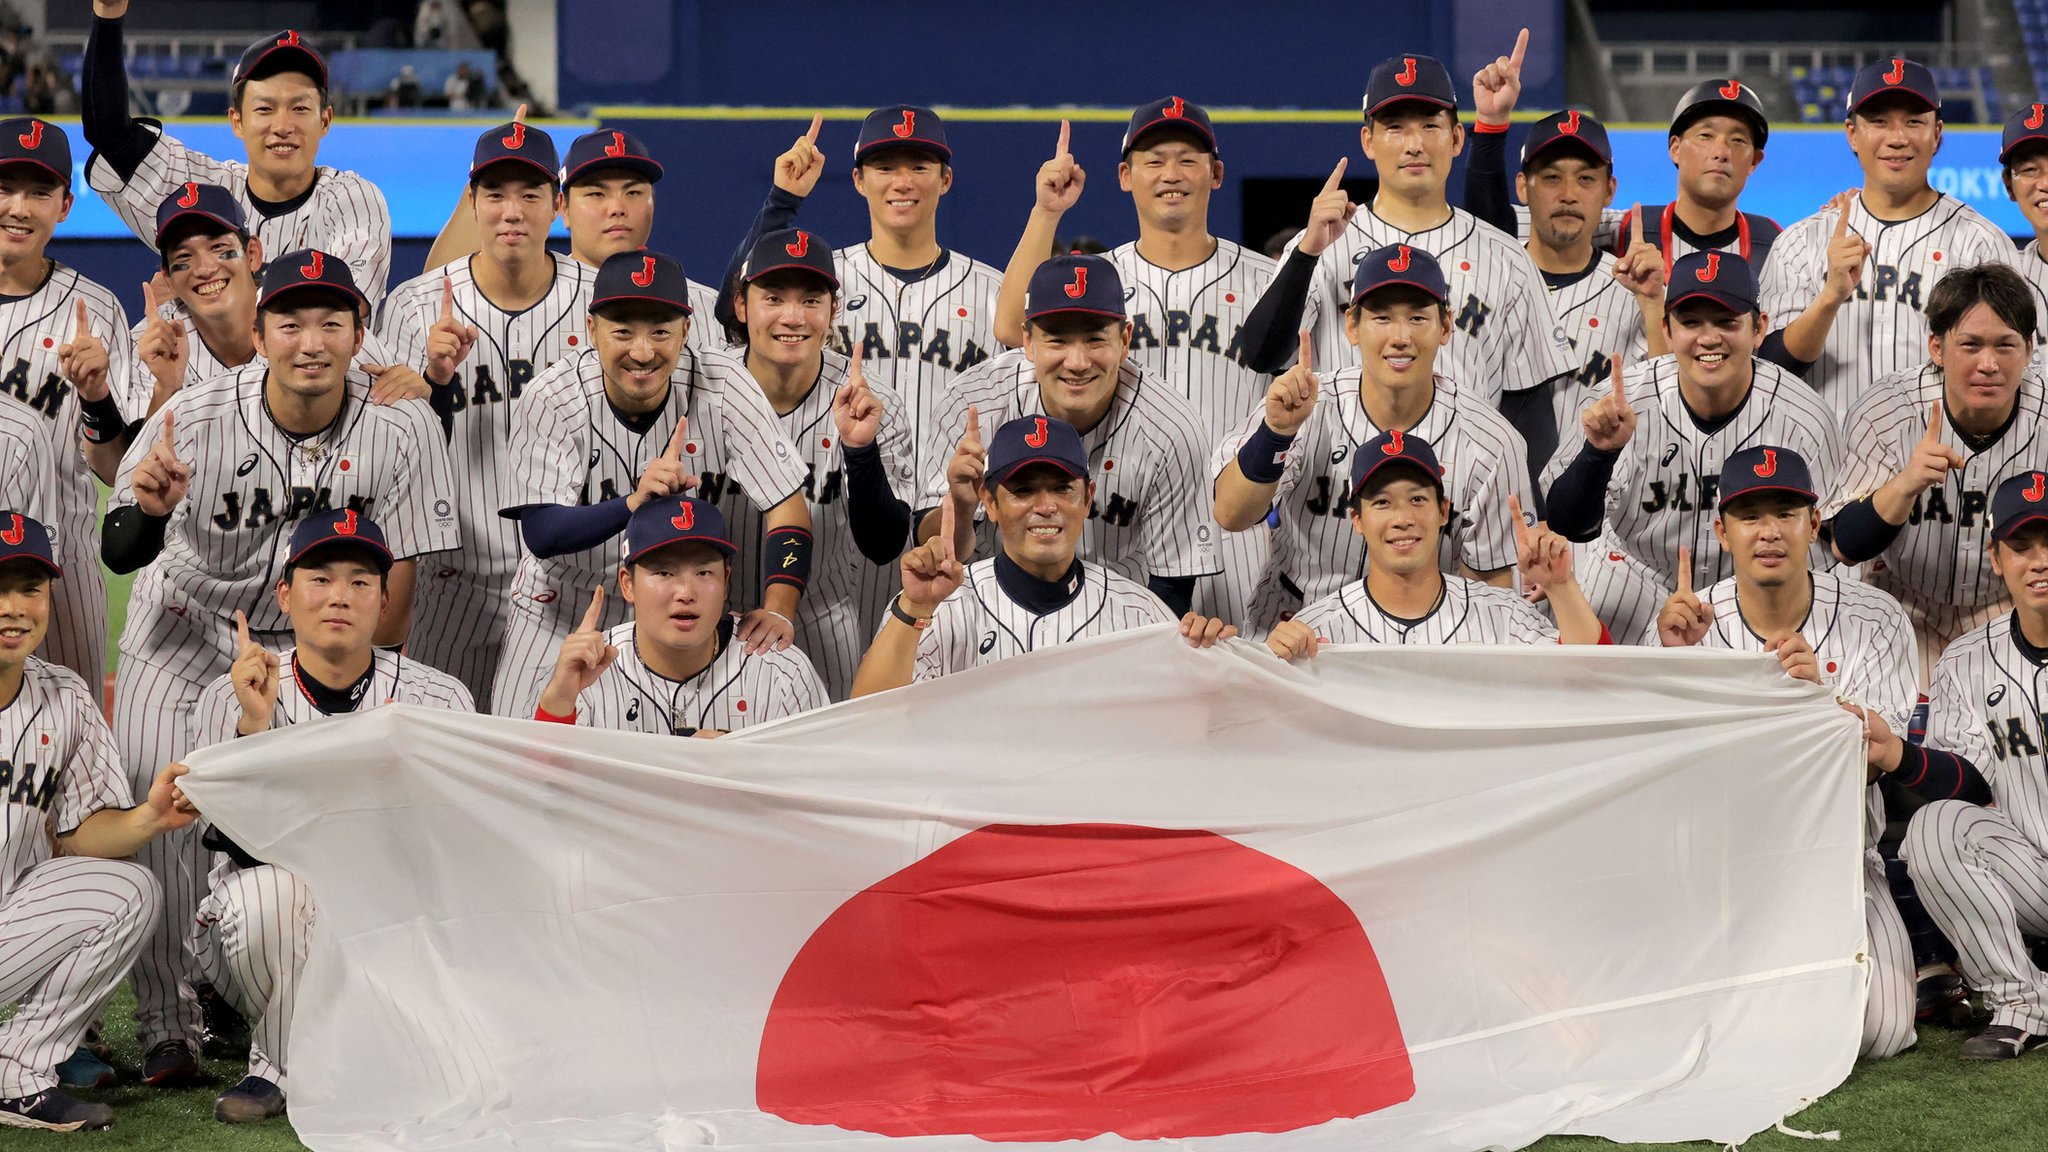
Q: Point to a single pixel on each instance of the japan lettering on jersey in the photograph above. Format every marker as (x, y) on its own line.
(1989, 705)
(1941, 557)
(1469, 613)
(1882, 329)
(915, 337)
(1146, 458)
(343, 215)
(1315, 549)
(1665, 487)
(736, 691)
(1505, 338)
(225, 545)
(57, 766)
(1187, 328)
(1601, 319)
(980, 624)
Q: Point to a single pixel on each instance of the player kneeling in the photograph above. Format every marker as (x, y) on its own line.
(73, 914)
(674, 667)
(1035, 592)
(1401, 512)
(256, 922)
(1823, 628)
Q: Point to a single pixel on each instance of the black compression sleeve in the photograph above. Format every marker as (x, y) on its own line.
(1177, 591)
(880, 522)
(1272, 331)
(1936, 775)
(131, 538)
(1860, 533)
(103, 102)
(1774, 350)
(1529, 412)
(777, 211)
(1486, 180)
(1577, 500)
(551, 530)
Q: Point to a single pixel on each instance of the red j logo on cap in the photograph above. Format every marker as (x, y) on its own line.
(618, 145)
(1570, 127)
(15, 532)
(1393, 445)
(2034, 121)
(1036, 438)
(1732, 90)
(1898, 72)
(1769, 467)
(1712, 269)
(191, 196)
(645, 275)
(346, 526)
(802, 245)
(908, 126)
(1399, 263)
(517, 139)
(1079, 287)
(2034, 493)
(1407, 73)
(687, 520)
(312, 271)
(1176, 110)
(33, 138)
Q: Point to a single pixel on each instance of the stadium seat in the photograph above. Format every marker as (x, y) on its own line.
(370, 71)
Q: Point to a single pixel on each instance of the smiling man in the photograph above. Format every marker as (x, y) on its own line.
(2023, 166)
(279, 110)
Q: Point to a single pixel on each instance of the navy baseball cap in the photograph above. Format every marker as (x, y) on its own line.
(1421, 78)
(1719, 97)
(1034, 440)
(2029, 123)
(1570, 129)
(24, 538)
(1172, 114)
(1075, 283)
(1764, 469)
(309, 270)
(789, 248)
(675, 520)
(1399, 264)
(207, 203)
(901, 126)
(516, 143)
(1394, 448)
(27, 140)
(2017, 502)
(596, 151)
(346, 528)
(280, 52)
(1894, 74)
(641, 274)
(1724, 277)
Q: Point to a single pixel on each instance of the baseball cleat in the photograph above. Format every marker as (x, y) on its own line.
(85, 1070)
(252, 1101)
(54, 1111)
(169, 1064)
(2001, 1042)
(225, 1033)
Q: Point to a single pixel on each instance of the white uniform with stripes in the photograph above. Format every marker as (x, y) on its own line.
(1469, 612)
(980, 624)
(736, 690)
(1600, 318)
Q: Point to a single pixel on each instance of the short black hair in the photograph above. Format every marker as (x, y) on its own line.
(1073, 323)
(1394, 470)
(792, 278)
(183, 230)
(338, 300)
(881, 154)
(1997, 286)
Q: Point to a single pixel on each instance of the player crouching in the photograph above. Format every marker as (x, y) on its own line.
(1401, 512)
(256, 922)
(1035, 592)
(73, 913)
(675, 666)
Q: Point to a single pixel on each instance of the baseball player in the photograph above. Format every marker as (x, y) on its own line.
(1825, 628)
(207, 324)
(2023, 165)
(73, 911)
(1927, 446)
(63, 361)
(255, 925)
(635, 416)
(922, 314)
(1849, 284)
(1145, 441)
(1509, 342)
(1296, 452)
(1187, 292)
(1982, 872)
(1035, 591)
(206, 498)
(1399, 509)
(279, 109)
(480, 330)
(677, 665)
(1639, 475)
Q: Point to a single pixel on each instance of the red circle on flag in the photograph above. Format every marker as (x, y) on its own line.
(1063, 982)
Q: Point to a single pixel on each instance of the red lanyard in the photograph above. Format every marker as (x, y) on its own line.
(1671, 216)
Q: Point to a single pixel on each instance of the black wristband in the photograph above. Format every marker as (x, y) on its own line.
(786, 558)
(101, 420)
(1263, 459)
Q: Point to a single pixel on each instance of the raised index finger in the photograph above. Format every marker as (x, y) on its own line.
(1685, 569)
(817, 122)
(946, 528)
(1842, 221)
(84, 330)
(1065, 130)
(1620, 390)
(594, 615)
(973, 433)
(1635, 225)
(149, 298)
(1521, 49)
(1521, 526)
(169, 441)
(1933, 433)
(674, 451)
(1307, 355)
(447, 297)
(242, 626)
(1336, 179)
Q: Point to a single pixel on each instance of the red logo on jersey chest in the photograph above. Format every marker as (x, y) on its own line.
(1400, 263)
(618, 145)
(15, 532)
(348, 524)
(1175, 110)
(1732, 90)
(1570, 127)
(1769, 467)
(1079, 287)
(1407, 74)
(517, 139)
(312, 271)
(33, 138)
(1713, 268)
(802, 245)
(908, 126)
(191, 196)
(2034, 493)
(1393, 445)
(645, 275)
(1898, 72)
(1036, 438)
(687, 520)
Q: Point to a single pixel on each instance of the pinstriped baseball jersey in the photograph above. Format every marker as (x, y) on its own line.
(1151, 515)
(1469, 612)
(734, 691)
(57, 762)
(1316, 550)
(1883, 327)
(916, 338)
(980, 624)
(573, 449)
(1663, 491)
(1506, 339)
(201, 363)
(1989, 704)
(28, 470)
(705, 334)
(1600, 318)
(2035, 270)
(343, 215)
(1187, 328)
(226, 542)
(393, 679)
(1941, 559)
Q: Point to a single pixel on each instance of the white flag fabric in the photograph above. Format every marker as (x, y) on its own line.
(1121, 891)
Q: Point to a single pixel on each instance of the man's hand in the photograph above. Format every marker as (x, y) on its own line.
(162, 345)
(1293, 640)
(1641, 268)
(391, 383)
(969, 463)
(1060, 179)
(83, 362)
(664, 475)
(110, 9)
(797, 170)
(932, 570)
(1496, 87)
(1544, 557)
(1329, 214)
(1683, 620)
(1292, 395)
(583, 657)
(1609, 422)
(161, 480)
(1796, 656)
(855, 409)
(1929, 465)
(448, 342)
(255, 675)
(1205, 631)
(763, 630)
(166, 806)
(1846, 253)
(1881, 746)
